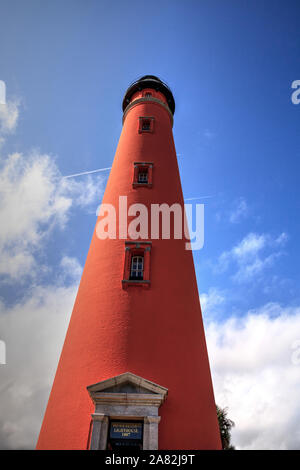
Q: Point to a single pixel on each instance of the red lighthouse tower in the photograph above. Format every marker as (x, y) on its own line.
(134, 368)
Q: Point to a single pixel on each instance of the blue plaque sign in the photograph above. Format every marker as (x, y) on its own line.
(126, 430)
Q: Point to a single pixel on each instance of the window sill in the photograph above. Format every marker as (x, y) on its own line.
(142, 185)
(129, 282)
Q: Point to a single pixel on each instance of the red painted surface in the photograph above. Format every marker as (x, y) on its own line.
(154, 332)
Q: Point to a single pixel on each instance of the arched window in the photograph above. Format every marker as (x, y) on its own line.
(137, 268)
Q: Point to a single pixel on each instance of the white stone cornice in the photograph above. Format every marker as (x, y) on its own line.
(127, 377)
(132, 399)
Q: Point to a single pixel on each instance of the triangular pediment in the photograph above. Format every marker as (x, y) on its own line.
(127, 383)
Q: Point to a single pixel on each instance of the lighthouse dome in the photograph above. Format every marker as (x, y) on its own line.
(149, 81)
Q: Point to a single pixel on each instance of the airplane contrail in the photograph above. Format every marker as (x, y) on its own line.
(87, 172)
(109, 168)
(200, 197)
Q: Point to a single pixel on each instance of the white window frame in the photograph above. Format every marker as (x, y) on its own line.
(136, 270)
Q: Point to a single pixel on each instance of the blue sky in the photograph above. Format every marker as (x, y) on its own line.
(230, 66)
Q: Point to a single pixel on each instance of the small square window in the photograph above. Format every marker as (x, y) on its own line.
(146, 124)
(142, 175)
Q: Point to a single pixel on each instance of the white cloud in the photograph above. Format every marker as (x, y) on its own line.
(248, 270)
(9, 114)
(250, 245)
(240, 210)
(71, 268)
(212, 302)
(85, 191)
(252, 255)
(256, 375)
(15, 264)
(33, 331)
(282, 239)
(34, 198)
